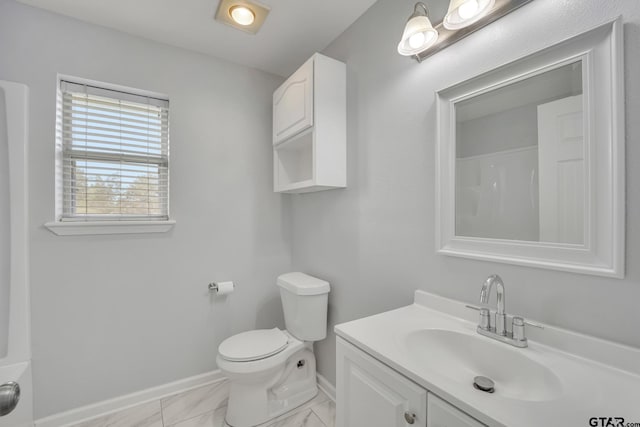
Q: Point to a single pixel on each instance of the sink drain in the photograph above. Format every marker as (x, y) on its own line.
(484, 384)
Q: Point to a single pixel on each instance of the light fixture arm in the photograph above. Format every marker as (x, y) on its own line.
(417, 12)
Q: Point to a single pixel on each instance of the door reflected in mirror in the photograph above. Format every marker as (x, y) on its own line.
(521, 160)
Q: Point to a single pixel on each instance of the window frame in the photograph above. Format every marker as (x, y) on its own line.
(104, 224)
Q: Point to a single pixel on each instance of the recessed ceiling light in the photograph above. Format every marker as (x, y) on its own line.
(244, 15)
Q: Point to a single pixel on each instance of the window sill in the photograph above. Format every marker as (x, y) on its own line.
(108, 227)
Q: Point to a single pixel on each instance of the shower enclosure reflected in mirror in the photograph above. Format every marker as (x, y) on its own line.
(531, 159)
(520, 157)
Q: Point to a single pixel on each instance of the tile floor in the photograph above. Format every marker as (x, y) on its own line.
(205, 407)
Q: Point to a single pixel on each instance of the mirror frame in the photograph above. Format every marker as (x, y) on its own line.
(603, 251)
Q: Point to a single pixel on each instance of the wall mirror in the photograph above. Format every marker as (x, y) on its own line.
(530, 159)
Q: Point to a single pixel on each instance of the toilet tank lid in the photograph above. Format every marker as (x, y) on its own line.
(303, 284)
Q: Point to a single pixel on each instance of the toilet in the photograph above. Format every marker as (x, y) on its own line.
(272, 371)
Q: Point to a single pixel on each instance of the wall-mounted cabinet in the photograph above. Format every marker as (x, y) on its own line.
(309, 128)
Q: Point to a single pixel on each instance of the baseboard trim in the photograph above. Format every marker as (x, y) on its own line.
(119, 403)
(326, 386)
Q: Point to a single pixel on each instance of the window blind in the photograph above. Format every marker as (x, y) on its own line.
(115, 154)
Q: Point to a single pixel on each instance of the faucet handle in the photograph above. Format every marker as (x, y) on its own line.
(534, 324)
(520, 321)
(517, 327)
(485, 316)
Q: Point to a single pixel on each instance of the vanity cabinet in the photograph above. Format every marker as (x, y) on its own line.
(309, 128)
(371, 394)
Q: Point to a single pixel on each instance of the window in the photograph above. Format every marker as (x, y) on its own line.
(113, 154)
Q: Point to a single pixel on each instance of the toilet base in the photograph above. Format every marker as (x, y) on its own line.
(257, 399)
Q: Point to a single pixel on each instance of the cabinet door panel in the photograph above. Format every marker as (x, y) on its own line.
(369, 394)
(293, 104)
(443, 414)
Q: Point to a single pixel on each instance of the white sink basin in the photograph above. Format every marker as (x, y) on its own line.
(460, 357)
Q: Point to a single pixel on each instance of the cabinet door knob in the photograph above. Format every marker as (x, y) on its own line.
(9, 397)
(409, 417)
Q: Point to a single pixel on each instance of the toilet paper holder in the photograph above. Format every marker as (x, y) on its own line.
(213, 286)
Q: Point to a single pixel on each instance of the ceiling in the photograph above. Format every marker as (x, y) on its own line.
(292, 32)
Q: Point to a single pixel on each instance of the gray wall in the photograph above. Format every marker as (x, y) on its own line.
(116, 314)
(375, 240)
(506, 130)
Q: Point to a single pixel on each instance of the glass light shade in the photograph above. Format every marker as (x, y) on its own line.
(418, 36)
(463, 13)
(242, 15)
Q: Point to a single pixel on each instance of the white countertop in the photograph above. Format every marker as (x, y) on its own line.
(598, 378)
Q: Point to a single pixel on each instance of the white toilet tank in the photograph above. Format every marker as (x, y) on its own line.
(304, 302)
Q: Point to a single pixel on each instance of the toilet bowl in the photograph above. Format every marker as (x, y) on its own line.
(272, 371)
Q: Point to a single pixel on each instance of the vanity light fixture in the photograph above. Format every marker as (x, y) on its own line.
(247, 16)
(418, 34)
(422, 39)
(463, 13)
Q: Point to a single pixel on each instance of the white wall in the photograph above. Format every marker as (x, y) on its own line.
(374, 241)
(116, 314)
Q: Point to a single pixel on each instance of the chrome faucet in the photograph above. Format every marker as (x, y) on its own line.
(516, 336)
(501, 317)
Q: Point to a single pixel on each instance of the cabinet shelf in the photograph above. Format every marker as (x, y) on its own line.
(294, 187)
(293, 162)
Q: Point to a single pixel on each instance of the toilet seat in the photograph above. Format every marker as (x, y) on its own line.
(253, 345)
